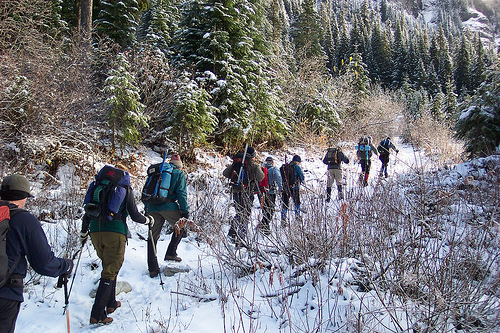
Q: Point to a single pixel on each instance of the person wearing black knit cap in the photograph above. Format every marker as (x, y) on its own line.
(243, 185)
(25, 240)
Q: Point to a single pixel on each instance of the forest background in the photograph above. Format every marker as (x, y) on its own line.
(187, 74)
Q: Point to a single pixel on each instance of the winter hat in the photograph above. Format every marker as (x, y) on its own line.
(250, 152)
(297, 158)
(176, 160)
(15, 187)
(269, 159)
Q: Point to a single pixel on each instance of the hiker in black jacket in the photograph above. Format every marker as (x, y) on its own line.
(333, 158)
(384, 150)
(25, 240)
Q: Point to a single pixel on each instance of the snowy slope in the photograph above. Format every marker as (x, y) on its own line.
(197, 299)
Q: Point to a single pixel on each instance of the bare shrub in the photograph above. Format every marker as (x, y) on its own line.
(435, 138)
(416, 253)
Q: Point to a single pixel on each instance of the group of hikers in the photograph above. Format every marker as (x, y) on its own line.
(110, 200)
(247, 178)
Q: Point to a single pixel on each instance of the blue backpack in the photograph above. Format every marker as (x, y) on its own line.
(363, 149)
(157, 186)
(106, 194)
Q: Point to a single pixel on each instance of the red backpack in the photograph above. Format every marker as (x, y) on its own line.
(264, 183)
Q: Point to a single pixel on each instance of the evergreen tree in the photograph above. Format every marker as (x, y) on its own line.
(437, 106)
(224, 44)
(400, 52)
(331, 35)
(445, 62)
(307, 31)
(450, 106)
(479, 122)
(192, 118)
(159, 23)
(126, 110)
(463, 67)
(278, 19)
(381, 50)
(117, 20)
(359, 81)
(342, 49)
(357, 42)
(384, 11)
(478, 74)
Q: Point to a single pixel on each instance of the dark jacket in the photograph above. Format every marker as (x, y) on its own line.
(177, 197)
(128, 208)
(292, 176)
(254, 174)
(329, 158)
(386, 151)
(27, 239)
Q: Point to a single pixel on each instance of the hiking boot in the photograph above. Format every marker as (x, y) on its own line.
(153, 274)
(111, 310)
(172, 258)
(105, 321)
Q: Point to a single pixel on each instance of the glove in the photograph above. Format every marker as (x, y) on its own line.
(83, 237)
(70, 268)
(150, 221)
(185, 215)
(63, 278)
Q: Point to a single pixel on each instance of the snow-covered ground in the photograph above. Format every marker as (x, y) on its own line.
(196, 299)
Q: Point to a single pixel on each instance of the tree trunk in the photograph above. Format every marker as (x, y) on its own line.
(86, 18)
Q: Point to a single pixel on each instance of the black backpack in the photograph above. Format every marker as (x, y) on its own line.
(5, 215)
(332, 156)
(287, 171)
(106, 194)
(384, 147)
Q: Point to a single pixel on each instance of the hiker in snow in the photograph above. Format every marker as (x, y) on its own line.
(333, 158)
(292, 177)
(24, 240)
(175, 208)
(365, 150)
(108, 202)
(245, 175)
(384, 150)
(275, 186)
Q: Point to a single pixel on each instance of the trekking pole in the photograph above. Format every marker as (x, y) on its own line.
(79, 252)
(156, 256)
(242, 164)
(63, 281)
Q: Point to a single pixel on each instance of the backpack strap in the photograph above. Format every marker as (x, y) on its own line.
(17, 281)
